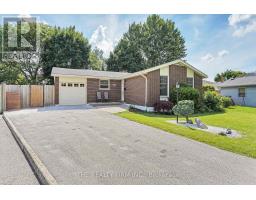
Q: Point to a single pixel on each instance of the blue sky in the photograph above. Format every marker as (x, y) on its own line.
(214, 42)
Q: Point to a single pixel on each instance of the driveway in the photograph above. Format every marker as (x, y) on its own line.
(93, 146)
(14, 168)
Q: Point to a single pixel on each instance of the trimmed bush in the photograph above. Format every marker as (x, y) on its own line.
(226, 101)
(163, 106)
(212, 101)
(184, 108)
(187, 93)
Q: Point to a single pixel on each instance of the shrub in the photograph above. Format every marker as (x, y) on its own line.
(184, 108)
(186, 93)
(226, 101)
(212, 101)
(208, 88)
(163, 106)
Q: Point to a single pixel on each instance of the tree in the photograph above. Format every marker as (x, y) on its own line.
(184, 108)
(96, 60)
(64, 47)
(10, 73)
(25, 66)
(148, 44)
(228, 74)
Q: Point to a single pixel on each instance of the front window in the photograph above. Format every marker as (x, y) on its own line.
(241, 92)
(104, 84)
(190, 81)
(163, 85)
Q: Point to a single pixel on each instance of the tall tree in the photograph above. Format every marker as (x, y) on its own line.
(148, 44)
(228, 74)
(96, 60)
(23, 65)
(64, 47)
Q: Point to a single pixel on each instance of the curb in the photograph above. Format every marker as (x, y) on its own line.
(40, 170)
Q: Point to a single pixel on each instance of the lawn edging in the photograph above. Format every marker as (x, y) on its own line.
(40, 170)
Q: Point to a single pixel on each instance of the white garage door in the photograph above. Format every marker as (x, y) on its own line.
(72, 93)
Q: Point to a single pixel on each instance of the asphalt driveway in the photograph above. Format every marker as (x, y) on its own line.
(93, 146)
(14, 169)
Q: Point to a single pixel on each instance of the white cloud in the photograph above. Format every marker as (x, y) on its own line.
(242, 24)
(223, 53)
(236, 19)
(208, 58)
(243, 30)
(100, 40)
(24, 16)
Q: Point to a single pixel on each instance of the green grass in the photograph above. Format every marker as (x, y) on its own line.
(242, 119)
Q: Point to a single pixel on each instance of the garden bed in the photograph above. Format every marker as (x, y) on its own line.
(210, 129)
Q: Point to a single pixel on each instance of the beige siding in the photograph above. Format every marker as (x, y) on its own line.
(135, 90)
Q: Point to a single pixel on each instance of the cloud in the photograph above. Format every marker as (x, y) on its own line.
(223, 53)
(24, 16)
(100, 40)
(208, 58)
(242, 24)
(236, 19)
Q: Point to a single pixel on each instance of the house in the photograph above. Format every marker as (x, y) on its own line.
(242, 90)
(141, 89)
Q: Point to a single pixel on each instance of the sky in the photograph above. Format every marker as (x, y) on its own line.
(214, 42)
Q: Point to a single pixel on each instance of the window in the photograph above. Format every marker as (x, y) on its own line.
(63, 84)
(163, 85)
(241, 92)
(190, 81)
(76, 84)
(104, 84)
(81, 85)
(70, 84)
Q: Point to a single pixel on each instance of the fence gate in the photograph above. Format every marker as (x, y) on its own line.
(36, 96)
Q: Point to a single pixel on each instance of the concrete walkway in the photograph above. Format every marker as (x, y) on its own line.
(92, 146)
(14, 168)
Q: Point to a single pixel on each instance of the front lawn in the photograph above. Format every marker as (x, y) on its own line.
(242, 119)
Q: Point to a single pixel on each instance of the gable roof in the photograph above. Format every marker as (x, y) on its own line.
(56, 71)
(241, 81)
(175, 62)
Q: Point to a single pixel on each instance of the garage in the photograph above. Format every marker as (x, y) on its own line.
(72, 93)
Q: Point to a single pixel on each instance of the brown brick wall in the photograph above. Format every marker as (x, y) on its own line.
(198, 81)
(93, 88)
(153, 87)
(134, 92)
(177, 74)
(56, 84)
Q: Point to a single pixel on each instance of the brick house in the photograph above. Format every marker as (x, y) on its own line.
(141, 89)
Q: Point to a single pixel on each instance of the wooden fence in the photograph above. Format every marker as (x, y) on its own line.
(25, 96)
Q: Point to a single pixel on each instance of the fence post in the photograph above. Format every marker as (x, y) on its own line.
(3, 97)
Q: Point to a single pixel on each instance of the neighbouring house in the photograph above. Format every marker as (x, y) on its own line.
(242, 90)
(141, 89)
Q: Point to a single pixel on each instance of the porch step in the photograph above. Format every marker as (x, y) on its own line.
(105, 104)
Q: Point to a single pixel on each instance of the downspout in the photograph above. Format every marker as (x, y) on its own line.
(146, 90)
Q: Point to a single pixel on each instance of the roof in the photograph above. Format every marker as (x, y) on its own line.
(56, 71)
(241, 81)
(119, 75)
(175, 62)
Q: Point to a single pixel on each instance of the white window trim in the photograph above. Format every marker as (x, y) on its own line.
(168, 84)
(108, 84)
